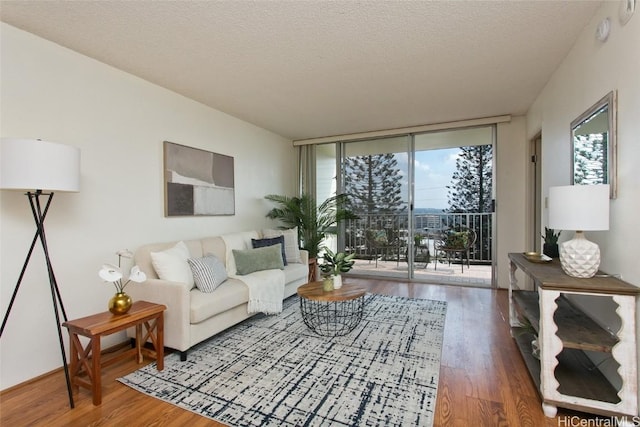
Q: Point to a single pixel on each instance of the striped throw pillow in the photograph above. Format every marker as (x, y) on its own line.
(208, 272)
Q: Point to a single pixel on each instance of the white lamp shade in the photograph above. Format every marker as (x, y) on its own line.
(31, 164)
(579, 207)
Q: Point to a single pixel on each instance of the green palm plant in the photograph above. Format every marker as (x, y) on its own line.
(314, 222)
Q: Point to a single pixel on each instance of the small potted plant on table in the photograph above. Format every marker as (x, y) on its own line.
(333, 264)
(550, 247)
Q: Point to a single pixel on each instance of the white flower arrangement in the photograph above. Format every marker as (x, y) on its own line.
(112, 274)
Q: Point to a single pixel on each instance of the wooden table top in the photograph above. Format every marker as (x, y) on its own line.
(104, 323)
(549, 275)
(314, 291)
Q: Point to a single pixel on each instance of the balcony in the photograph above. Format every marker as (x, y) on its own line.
(381, 243)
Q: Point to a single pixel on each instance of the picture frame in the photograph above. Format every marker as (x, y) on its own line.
(197, 182)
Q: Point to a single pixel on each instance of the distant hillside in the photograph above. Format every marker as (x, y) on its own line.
(422, 211)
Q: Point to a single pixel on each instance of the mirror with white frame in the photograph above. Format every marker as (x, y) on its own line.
(593, 145)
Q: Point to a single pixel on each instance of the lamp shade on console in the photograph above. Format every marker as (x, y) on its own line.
(32, 164)
(580, 208)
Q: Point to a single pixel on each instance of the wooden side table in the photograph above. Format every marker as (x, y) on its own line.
(86, 363)
(331, 313)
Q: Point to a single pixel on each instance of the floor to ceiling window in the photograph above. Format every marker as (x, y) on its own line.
(412, 193)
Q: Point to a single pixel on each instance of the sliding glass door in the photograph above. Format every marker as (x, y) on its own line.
(453, 206)
(376, 176)
(412, 193)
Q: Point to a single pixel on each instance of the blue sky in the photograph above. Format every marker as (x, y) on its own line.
(433, 170)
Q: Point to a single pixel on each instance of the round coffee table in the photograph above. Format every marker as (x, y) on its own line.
(331, 313)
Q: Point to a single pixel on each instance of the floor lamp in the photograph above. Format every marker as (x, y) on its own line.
(40, 168)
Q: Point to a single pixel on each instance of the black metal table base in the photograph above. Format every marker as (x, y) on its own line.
(333, 318)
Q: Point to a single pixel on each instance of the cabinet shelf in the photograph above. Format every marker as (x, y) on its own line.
(575, 329)
(576, 374)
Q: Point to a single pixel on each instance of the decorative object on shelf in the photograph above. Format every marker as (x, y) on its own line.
(535, 349)
(334, 264)
(550, 246)
(581, 208)
(41, 168)
(536, 257)
(197, 182)
(314, 221)
(120, 303)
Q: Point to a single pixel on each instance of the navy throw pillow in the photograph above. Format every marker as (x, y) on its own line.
(261, 243)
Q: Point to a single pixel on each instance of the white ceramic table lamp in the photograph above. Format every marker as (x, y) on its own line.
(580, 208)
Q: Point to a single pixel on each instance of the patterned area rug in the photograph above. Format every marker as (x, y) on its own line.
(273, 371)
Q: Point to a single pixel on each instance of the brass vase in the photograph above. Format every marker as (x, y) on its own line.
(120, 303)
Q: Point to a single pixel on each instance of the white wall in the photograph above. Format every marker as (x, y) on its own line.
(589, 72)
(510, 192)
(119, 122)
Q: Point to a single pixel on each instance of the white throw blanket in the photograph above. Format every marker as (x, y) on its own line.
(266, 288)
(266, 291)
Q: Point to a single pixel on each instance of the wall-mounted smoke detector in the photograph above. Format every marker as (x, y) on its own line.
(627, 7)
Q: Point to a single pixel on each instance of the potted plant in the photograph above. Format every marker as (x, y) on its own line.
(550, 247)
(334, 264)
(314, 222)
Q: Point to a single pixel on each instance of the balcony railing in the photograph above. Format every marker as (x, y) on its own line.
(386, 236)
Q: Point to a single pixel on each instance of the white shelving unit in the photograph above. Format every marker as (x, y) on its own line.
(564, 375)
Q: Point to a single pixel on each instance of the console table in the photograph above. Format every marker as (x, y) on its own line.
(564, 375)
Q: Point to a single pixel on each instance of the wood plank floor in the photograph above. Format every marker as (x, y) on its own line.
(483, 380)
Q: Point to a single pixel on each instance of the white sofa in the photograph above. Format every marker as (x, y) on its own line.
(193, 316)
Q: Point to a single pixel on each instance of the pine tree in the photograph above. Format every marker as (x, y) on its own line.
(470, 191)
(373, 183)
(590, 162)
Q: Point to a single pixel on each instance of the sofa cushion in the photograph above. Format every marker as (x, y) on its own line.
(208, 272)
(215, 246)
(238, 241)
(171, 264)
(261, 243)
(291, 248)
(250, 260)
(227, 296)
(295, 272)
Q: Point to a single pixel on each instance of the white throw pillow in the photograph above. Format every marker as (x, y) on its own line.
(208, 272)
(291, 249)
(172, 265)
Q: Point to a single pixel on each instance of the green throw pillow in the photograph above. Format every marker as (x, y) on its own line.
(250, 260)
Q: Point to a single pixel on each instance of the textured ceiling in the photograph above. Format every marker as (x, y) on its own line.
(305, 69)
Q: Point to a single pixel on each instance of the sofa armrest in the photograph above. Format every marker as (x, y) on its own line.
(176, 297)
(304, 255)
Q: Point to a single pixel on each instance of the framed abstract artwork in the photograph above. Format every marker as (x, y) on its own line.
(197, 182)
